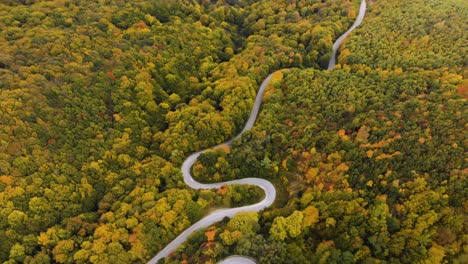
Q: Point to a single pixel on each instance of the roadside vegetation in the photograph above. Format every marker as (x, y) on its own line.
(101, 101)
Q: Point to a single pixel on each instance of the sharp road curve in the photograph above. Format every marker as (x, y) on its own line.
(268, 188)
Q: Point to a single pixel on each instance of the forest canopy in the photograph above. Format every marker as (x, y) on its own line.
(101, 101)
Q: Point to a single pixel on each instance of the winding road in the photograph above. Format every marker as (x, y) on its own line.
(268, 188)
(339, 41)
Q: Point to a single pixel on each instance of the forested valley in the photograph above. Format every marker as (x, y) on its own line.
(101, 101)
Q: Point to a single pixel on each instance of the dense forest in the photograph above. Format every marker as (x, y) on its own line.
(370, 157)
(101, 101)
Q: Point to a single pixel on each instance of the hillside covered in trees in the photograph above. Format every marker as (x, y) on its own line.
(100, 102)
(369, 159)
